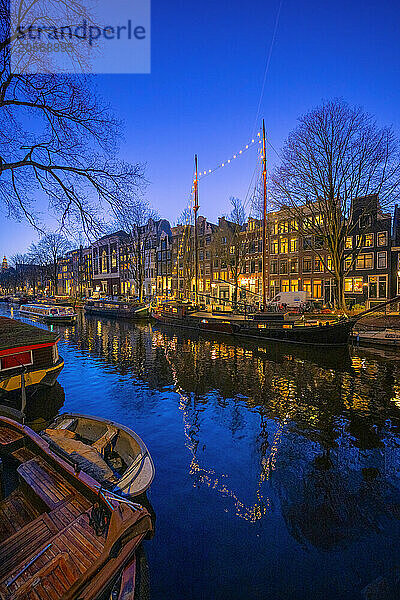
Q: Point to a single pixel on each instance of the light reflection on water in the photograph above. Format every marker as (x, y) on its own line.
(277, 471)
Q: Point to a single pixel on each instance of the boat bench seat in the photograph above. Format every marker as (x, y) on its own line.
(9, 436)
(46, 483)
(105, 439)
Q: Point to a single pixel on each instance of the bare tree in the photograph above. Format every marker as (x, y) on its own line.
(229, 244)
(57, 140)
(136, 219)
(336, 154)
(46, 253)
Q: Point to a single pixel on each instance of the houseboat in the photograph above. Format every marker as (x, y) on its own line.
(330, 333)
(27, 353)
(49, 313)
(113, 308)
(61, 534)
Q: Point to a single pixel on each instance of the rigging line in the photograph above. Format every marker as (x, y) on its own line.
(267, 64)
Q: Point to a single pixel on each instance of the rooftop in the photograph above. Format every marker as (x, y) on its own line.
(14, 334)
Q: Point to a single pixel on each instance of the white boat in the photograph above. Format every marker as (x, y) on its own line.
(49, 313)
(387, 337)
(112, 454)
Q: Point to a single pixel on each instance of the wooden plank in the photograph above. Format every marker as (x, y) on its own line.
(9, 436)
(23, 454)
(45, 482)
(127, 590)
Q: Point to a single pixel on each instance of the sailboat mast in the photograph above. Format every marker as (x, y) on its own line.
(195, 209)
(264, 244)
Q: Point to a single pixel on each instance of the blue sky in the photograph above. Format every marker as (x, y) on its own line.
(202, 95)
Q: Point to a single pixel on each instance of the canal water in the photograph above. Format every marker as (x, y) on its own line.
(277, 470)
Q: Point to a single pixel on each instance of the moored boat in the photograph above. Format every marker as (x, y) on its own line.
(61, 535)
(28, 353)
(49, 313)
(113, 308)
(386, 337)
(330, 333)
(111, 453)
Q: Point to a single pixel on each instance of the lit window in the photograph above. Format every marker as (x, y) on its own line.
(284, 246)
(317, 288)
(307, 286)
(318, 266)
(294, 285)
(368, 241)
(382, 238)
(365, 261)
(285, 285)
(293, 245)
(349, 243)
(274, 247)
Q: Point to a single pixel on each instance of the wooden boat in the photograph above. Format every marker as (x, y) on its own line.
(111, 453)
(319, 334)
(112, 308)
(29, 352)
(387, 337)
(49, 313)
(61, 536)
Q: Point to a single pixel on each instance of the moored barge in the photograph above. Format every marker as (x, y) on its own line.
(335, 333)
(49, 313)
(113, 308)
(29, 352)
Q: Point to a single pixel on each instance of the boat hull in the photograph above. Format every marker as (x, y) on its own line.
(336, 334)
(66, 319)
(117, 313)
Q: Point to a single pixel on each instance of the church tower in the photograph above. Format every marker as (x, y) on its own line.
(4, 264)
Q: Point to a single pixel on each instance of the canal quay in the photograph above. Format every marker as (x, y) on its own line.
(277, 470)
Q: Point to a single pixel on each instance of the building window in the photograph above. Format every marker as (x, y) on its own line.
(318, 266)
(377, 286)
(294, 266)
(293, 245)
(353, 284)
(274, 247)
(317, 288)
(381, 260)
(104, 262)
(283, 227)
(294, 285)
(365, 221)
(307, 243)
(368, 240)
(285, 285)
(365, 261)
(274, 227)
(283, 267)
(307, 286)
(349, 243)
(284, 246)
(274, 267)
(382, 238)
(307, 264)
(114, 259)
(294, 226)
(329, 263)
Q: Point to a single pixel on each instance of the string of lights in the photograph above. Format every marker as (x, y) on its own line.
(251, 144)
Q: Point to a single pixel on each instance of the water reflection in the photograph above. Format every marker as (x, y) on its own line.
(267, 443)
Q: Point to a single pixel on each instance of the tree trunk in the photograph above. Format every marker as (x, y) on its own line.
(341, 299)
